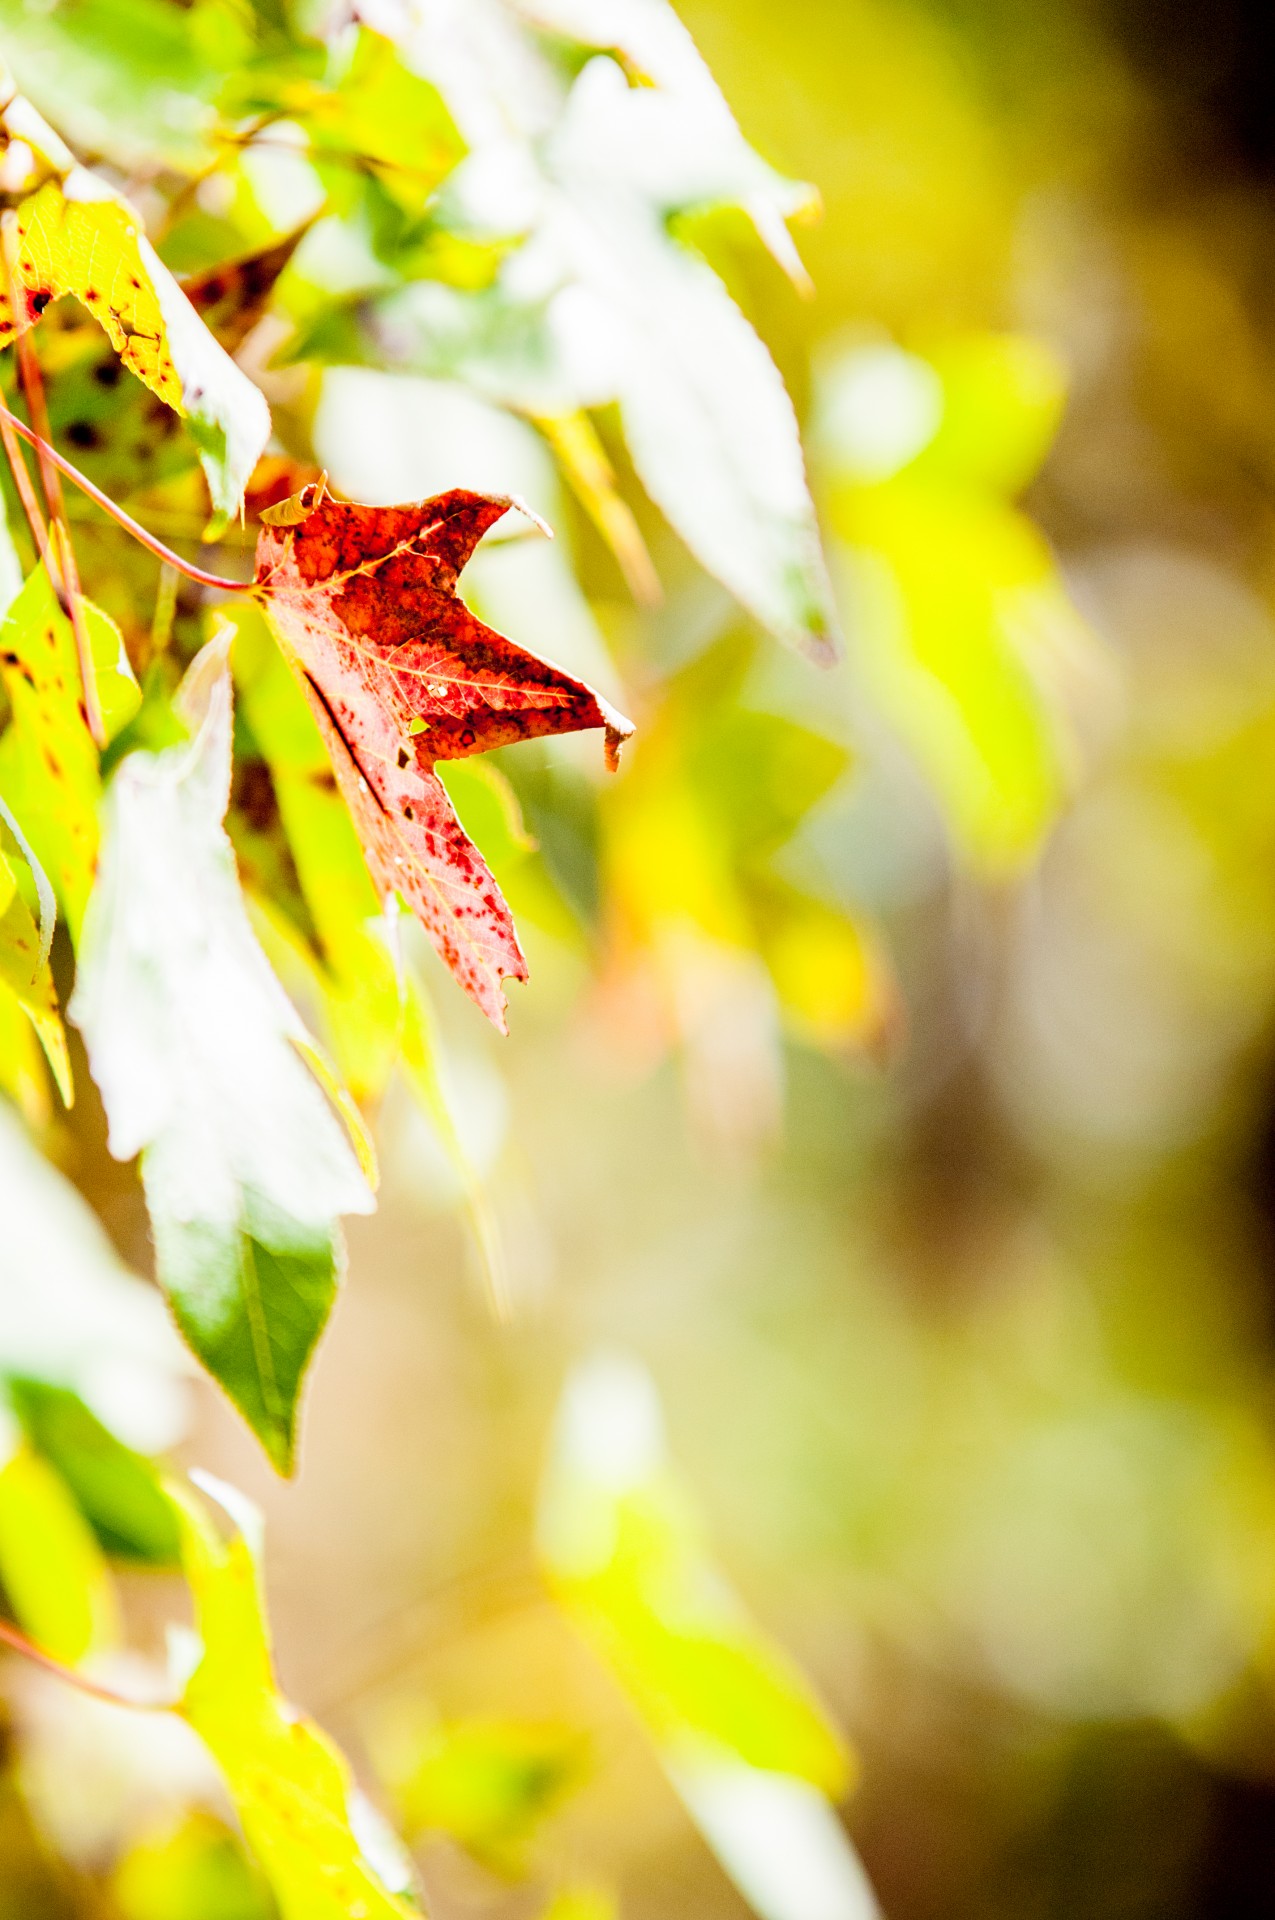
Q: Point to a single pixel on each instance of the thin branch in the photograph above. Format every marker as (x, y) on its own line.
(11, 1637)
(117, 513)
(33, 389)
(26, 493)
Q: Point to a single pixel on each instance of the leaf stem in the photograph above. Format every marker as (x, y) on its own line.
(50, 480)
(117, 513)
(26, 493)
(10, 1636)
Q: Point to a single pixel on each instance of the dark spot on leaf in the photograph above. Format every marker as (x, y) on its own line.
(82, 433)
(107, 373)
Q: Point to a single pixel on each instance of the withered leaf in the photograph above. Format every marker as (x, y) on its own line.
(231, 297)
(400, 675)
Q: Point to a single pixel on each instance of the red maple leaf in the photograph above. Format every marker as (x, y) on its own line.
(400, 674)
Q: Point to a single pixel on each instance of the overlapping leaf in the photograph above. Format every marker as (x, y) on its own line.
(376, 1011)
(400, 675)
(195, 1048)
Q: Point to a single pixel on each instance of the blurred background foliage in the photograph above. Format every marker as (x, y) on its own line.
(894, 1086)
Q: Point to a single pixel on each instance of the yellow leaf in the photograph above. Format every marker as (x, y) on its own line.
(77, 236)
(24, 969)
(49, 771)
(53, 1570)
(291, 1787)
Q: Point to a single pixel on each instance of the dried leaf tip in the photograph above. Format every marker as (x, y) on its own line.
(299, 506)
(618, 730)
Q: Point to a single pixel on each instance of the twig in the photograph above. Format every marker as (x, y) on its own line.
(11, 1637)
(165, 609)
(117, 513)
(26, 493)
(33, 388)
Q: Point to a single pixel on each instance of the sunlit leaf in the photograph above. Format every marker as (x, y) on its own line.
(26, 931)
(48, 762)
(489, 1784)
(195, 1048)
(652, 43)
(601, 304)
(51, 1566)
(291, 1787)
(377, 1012)
(123, 78)
(967, 635)
(625, 1553)
(75, 235)
(194, 1871)
(737, 1728)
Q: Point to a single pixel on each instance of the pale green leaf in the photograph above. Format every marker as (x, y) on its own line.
(738, 1730)
(377, 1013)
(195, 1048)
(966, 634)
(71, 1313)
(624, 1551)
(600, 303)
(489, 1784)
(124, 78)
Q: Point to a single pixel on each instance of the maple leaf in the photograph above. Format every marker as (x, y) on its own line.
(400, 675)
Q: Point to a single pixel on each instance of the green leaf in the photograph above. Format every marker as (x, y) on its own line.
(48, 762)
(194, 1871)
(489, 1784)
(124, 78)
(290, 1785)
(195, 1046)
(388, 118)
(51, 1566)
(117, 1489)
